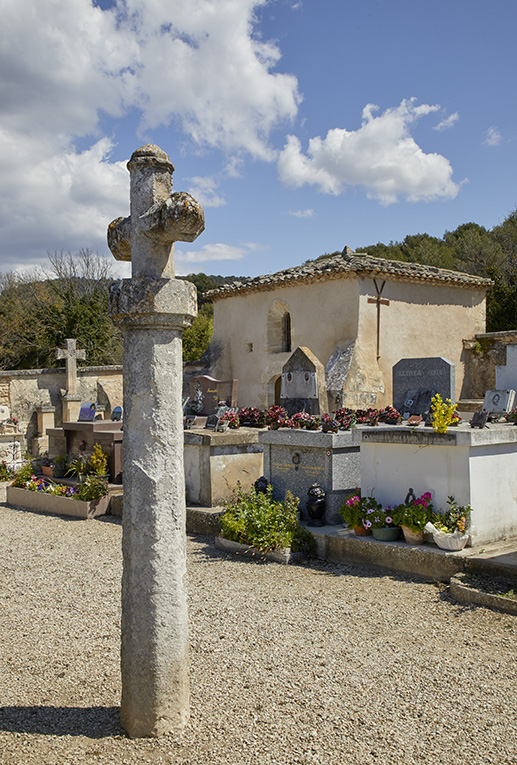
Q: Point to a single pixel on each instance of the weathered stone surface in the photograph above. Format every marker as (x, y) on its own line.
(153, 309)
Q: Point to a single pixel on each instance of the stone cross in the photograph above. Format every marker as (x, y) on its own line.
(379, 301)
(71, 354)
(153, 309)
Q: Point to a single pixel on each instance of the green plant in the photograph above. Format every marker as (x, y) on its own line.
(258, 520)
(78, 466)
(416, 512)
(92, 488)
(456, 518)
(443, 413)
(23, 474)
(99, 460)
(6, 474)
(356, 509)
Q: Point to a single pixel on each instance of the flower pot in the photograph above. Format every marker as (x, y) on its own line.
(360, 531)
(386, 533)
(316, 512)
(451, 542)
(47, 470)
(413, 537)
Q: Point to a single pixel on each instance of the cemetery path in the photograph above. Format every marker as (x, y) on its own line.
(322, 663)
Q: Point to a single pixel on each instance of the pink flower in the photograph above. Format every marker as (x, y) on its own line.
(367, 524)
(389, 519)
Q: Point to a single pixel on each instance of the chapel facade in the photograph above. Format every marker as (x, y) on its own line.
(358, 315)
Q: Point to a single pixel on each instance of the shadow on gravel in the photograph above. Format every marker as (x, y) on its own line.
(92, 722)
(315, 565)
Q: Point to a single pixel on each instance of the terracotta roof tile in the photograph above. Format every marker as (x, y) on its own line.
(345, 264)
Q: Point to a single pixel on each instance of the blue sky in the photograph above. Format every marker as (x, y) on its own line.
(301, 126)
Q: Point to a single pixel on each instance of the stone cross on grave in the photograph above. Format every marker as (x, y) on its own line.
(153, 309)
(71, 354)
(379, 301)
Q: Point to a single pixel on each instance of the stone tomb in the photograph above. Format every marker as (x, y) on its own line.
(303, 386)
(416, 381)
(77, 438)
(295, 459)
(476, 467)
(216, 462)
(207, 392)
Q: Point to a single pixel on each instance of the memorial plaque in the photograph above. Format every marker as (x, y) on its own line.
(87, 412)
(422, 376)
(416, 402)
(499, 401)
(116, 414)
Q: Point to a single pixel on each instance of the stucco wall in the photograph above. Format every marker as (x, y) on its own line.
(320, 318)
(421, 320)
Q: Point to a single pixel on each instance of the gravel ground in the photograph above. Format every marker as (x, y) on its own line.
(307, 664)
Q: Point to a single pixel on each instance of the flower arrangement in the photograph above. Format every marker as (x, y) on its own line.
(329, 424)
(357, 510)
(99, 460)
(252, 417)
(443, 413)
(455, 519)
(390, 416)
(415, 512)
(93, 487)
(274, 414)
(346, 418)
(233, 420)
(315, 492)
(381, 518)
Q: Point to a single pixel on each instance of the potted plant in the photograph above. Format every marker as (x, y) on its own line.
(413, 516)
(383, 522)
(78, 467)
(354, 511)
(449, 529)
(44, 495)
(443, 413)
(329, 424)
(316, 505)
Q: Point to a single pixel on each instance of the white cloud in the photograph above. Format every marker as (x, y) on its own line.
(210, 253)
(381, 155)
(301, 213)
(447, 122)
(204, 189)
(66, 66)
(492, 137)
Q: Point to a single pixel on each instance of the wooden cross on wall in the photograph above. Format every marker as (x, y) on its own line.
(379, 301)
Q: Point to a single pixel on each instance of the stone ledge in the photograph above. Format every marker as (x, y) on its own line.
(464, 594)
(284, 556)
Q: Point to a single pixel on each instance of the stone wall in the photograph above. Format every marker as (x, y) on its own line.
(23, 391)
(482, 354)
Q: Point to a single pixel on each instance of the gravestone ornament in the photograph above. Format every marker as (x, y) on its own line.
(153, 309)
(87, 412)
(70, 354)
(499, 401)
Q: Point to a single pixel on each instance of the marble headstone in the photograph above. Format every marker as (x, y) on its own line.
(418, 380)
(499, 401)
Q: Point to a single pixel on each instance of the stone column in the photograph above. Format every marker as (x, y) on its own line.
(153, 309)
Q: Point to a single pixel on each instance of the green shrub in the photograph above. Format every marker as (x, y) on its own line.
(258, 520)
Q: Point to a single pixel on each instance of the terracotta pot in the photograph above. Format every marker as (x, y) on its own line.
(46, 470)
(413, 537)
(360, 531)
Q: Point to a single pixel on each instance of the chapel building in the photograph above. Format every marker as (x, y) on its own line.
(359, 316)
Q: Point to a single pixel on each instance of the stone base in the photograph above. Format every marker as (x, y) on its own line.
(277, 556)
